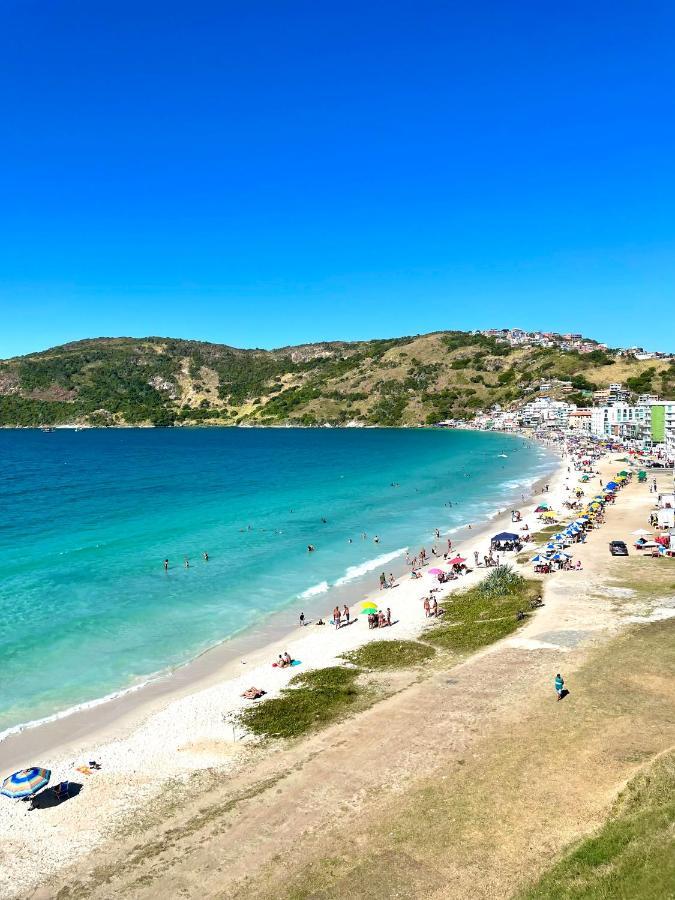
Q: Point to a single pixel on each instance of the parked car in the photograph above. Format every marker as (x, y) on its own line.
(618, 548)
(655, 465)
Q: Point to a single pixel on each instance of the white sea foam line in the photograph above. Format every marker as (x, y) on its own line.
(314, 590)
(78, 707)
(368, 566)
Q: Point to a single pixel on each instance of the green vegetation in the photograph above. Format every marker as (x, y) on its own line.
(313, 699)
(398, 381)
(484, 613)
(632, 857)
(390, 655)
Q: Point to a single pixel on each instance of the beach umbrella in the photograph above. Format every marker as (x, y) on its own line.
(623, 473)
(456, 561)
(25, 782)
(539, 558)
(560, 555)
(505, 536)
(558, 537)
(435, 571)
(368, 606)
(641, 531)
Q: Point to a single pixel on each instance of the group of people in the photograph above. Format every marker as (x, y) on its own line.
(379, 619)
(431, 607)
(341, 618)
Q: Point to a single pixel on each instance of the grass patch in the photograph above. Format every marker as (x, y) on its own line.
(312, 699)
(390, 654)
(633, 854)
(485, 613)
(544, 534)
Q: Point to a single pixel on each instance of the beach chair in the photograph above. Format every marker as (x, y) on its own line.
(62, 791)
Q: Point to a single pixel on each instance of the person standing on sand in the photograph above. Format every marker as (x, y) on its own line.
(388, 616)
(427, 607)
(345, 613)
(475, 556)
(302, 618)
(383, 581)
(559, 685)
(336, 617)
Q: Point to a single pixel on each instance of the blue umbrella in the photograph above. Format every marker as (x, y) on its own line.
(25, 782)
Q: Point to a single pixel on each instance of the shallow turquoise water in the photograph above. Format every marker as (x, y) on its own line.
(87, 518)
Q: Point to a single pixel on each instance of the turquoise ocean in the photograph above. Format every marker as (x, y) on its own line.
(87, 518)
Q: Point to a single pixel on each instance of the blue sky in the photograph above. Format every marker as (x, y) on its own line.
(266, 173)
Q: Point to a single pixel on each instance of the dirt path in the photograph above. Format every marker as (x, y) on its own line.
(462, 784)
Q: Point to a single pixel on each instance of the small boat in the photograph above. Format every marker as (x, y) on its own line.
(502, 455)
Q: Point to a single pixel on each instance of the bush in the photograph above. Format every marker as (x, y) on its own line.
(312, 699)
(390, 654)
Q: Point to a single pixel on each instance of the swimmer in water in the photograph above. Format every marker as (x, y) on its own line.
(206, 556)
(311, 548)
(187, 563)
(166, 565)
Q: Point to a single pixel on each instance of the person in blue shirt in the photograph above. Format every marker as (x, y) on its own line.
(559, 685)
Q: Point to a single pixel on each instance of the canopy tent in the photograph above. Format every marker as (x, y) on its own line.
(505, 536)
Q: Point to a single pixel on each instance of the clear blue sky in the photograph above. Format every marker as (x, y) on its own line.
(265, 173)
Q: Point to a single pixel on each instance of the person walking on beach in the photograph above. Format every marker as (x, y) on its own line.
(427, 607)
(336, 617)
(559, 685)
(302, 618)
(346, 614)
(388, 616)
(475, 556)
(391, 580)
(383, 581)
(449, 545)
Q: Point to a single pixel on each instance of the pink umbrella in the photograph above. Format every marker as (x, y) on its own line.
(435, 571)
(457, 560)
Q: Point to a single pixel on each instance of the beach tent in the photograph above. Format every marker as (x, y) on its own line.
(641, 532)
(505, 536)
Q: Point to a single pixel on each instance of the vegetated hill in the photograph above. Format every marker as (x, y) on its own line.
(397, 381)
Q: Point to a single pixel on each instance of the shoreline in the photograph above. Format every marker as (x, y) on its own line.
(101, 718)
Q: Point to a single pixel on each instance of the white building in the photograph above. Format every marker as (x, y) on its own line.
(547, 412)
(618, 420)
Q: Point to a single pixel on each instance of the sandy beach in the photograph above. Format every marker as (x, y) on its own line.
(191, 727)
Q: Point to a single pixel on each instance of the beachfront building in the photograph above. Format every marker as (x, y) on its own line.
(580, 420)
(618, 420)
(658, 417)
(546, 412)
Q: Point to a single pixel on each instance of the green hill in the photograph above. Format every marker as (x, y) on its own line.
(409, 380)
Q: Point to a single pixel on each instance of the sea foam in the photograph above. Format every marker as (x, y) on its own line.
(354, 572)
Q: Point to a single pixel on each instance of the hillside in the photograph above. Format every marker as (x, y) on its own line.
(398, 381)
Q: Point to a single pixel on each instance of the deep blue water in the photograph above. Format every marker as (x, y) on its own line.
(87, 518)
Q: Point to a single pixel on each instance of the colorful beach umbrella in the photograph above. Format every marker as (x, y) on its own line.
(457, 560)
(25, 782)
(435, 571)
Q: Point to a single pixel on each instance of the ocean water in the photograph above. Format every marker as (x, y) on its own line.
(87, 518)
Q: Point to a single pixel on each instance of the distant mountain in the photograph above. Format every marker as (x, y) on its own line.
(397, 381)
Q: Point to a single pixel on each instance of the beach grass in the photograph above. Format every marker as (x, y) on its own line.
(390, 655)
(484, 613)
(632, 855)
(312, 699)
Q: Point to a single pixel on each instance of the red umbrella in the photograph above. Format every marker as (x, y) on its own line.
(435, 571)
(456, 561)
